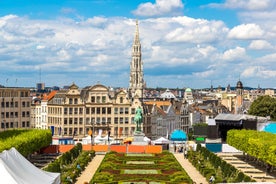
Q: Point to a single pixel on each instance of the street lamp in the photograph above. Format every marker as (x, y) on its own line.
(91, 133)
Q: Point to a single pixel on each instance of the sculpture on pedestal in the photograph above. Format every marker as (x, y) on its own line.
(138, 119)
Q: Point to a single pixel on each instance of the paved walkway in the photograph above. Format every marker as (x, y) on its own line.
(90, 170)
(190, 169)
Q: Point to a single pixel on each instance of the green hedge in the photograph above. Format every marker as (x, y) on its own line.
(260, 145)
(208, 164)
(67, 163)
(25, 141)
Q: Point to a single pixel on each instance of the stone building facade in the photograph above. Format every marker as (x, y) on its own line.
(15, 108)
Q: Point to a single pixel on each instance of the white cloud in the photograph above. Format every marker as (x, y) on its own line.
(160, 7)
(204, 74)
(246, 31)
(184, 50)
(260, 45)
(197, 31)
(246, 4)
(234, 54)
(250, 71)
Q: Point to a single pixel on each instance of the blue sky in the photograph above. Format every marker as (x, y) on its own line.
(185, 43)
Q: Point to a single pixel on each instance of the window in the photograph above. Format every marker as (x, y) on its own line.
(65, 110)
(132, 110)
(126, 120)
(93, 99)
(93, 110)
(121, 100)
(87, 110)
(75, 121)
(80, 110)
(16, 104)
(2, 104)
(116, 120)
(126, 110)
(70, 101)
(70, 110)
(121, 120)
(115, 110)
(121, 110)
(75, 101)
(104, 99)
(98, 110)
(109, 110)
(70, 121)
(103, 120)
(65, 121)
(98, 99)
(7, 104)
(109, 120)
(81, 121)
(76, 110)
(98, 120)
(103, 110)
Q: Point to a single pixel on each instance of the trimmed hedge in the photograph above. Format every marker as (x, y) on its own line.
(208, 164)
(260, 145)
(25, 141)
(67, 163)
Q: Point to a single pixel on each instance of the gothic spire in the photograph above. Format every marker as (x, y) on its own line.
(136, 38)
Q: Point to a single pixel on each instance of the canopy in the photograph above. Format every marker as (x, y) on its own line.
(178, 135)
(161, 140)
(271, 127)
(16, 169)
(146, 139)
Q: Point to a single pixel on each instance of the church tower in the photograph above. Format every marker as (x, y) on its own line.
(136, 81)
(239, 98)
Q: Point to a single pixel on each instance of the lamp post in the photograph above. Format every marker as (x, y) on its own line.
(91, 133)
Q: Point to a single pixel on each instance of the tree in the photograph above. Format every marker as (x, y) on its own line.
(264, 106)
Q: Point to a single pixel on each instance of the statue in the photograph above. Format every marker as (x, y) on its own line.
(138, 119)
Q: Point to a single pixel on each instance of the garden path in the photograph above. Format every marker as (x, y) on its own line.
(90, 170)
(190, 169)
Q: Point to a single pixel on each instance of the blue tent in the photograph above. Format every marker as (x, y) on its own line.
(271, 127)
(178, 135)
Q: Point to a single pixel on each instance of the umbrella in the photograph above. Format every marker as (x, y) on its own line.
(128, 139)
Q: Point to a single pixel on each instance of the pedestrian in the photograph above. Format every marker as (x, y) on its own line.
(212, 179)
(185, 154)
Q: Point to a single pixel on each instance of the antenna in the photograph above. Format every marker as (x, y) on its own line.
(40, 74)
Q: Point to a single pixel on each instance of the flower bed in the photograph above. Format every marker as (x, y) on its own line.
(140, 168)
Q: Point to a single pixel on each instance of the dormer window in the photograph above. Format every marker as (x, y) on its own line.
(121, 100)
(93, 99)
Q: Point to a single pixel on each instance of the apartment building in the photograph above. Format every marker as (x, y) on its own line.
(15, 108)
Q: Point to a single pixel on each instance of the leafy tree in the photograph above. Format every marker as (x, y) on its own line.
(264, 106)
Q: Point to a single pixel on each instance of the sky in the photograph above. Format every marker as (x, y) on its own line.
(185, 43)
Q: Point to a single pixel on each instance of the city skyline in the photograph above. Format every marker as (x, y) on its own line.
(185, 43)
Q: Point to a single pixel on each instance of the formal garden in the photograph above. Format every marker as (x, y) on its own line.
(130, 168)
